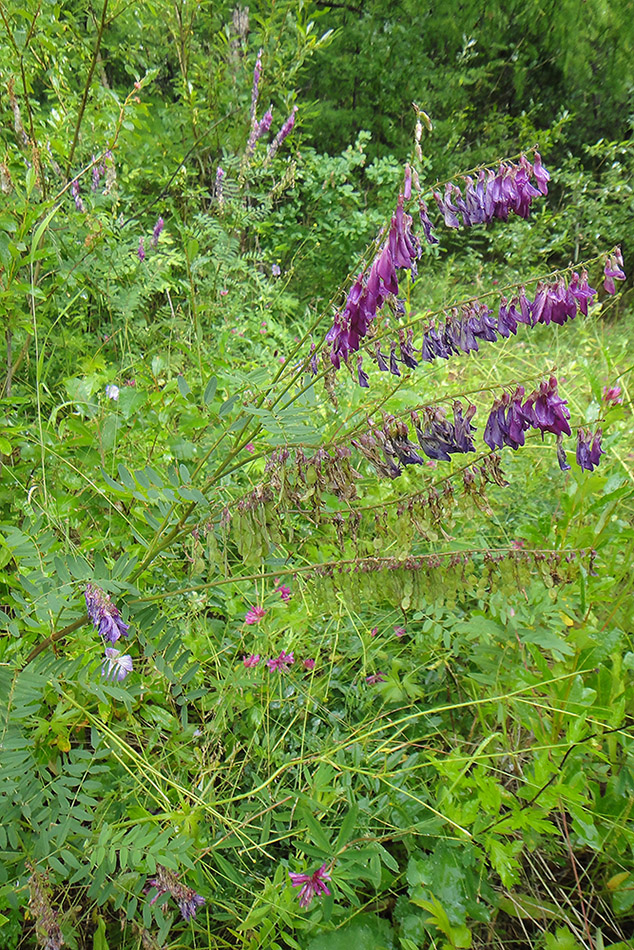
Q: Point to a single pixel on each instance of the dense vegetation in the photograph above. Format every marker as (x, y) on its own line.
(316, 485)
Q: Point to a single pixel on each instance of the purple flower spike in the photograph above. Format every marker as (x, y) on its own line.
(156, 233)
(104, 614)
(286, 130)
(141, 250)
(312, 885)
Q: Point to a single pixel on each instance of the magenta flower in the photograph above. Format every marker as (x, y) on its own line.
(374, 631)
(104, 614)
(116, 665)
(400, 631)
(375, 678)
(281, 663)
(312, 885)
(309, 664)
(612, 395)
(254, 615)
(284, 592)
(251, 660)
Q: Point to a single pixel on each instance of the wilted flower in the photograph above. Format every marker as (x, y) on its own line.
(281, 663)
(166, 882)
(112, 391)
(47, 928)
(104, 614)
(252, 660)
(254, 615)
(116, 665)
(375, 678)
(312, 885)
(589, 449)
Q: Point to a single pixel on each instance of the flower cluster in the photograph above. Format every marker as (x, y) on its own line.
(495, 194)
(166, 882)
(369, 293)
(312, 885)
(589, 449)
(254, 615)
(279, 664)
(463, 330)
(510, 418)
(107, 619)
(285, 131)
(47, 928)
(104, 615)
(257, 128)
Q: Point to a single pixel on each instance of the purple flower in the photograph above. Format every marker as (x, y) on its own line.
(281, 663)
(219, 189)
(104, 614)
(612, 271)
(141, 250)
(166, 882)
(312, 885)
(74, 190)
(541, 175)
(112, 391)
(546, 410)
(275, 270)
(375, 678)
(589, 449)
(400, 631)
(252, 660)
(282, 134)
(426, 223)
(309, 664)
(116, 665)
(254, 615)
(156, 233)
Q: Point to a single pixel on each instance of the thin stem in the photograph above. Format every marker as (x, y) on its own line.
(84, 99)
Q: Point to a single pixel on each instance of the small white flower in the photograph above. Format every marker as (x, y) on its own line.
(116, 666)
(112, 391)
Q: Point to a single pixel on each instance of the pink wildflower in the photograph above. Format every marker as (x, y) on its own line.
(284, 592)
(250, 447)
(612, 395)
(309, 664)
(375, 678)
(251, 660)
(281, 663)
(254, 615)
(374, 631)
(399, 631)
(312, 885)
